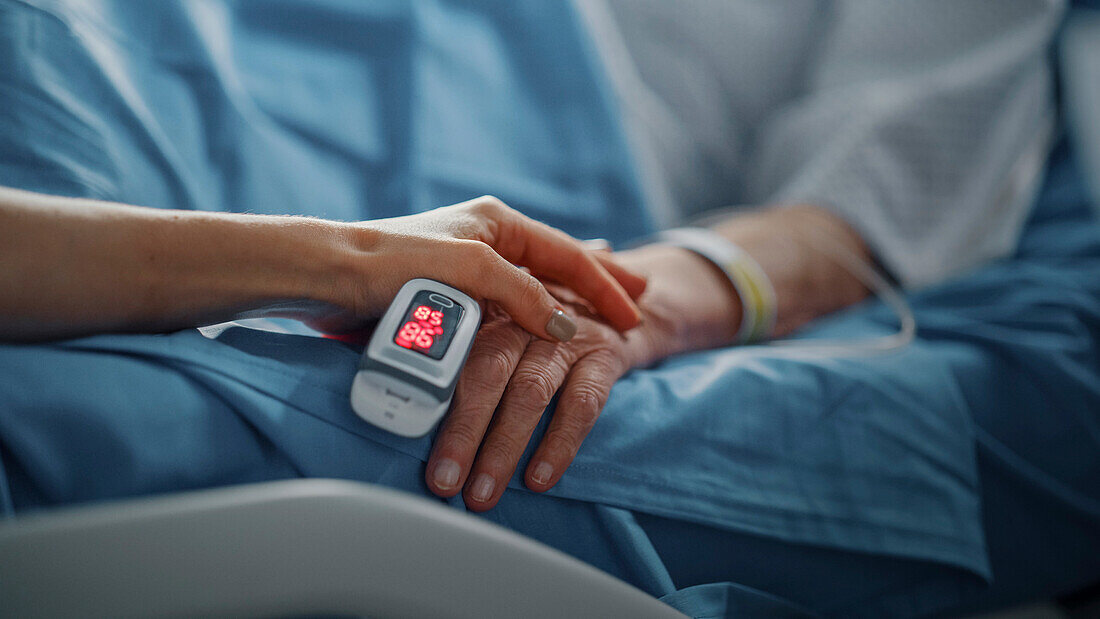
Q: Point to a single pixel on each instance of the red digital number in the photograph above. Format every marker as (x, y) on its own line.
(424, 340)
(420, 331)
(408, 334)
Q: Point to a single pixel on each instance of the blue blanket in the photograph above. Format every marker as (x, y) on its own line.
(364, 110)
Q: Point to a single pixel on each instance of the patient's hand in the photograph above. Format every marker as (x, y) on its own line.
(688, 305)
(685, 306)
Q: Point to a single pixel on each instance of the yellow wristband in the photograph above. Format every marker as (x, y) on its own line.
(758, 301)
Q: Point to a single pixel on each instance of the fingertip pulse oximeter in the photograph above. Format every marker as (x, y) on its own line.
(408, 372)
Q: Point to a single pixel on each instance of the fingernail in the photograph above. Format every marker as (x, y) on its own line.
(561, 326)
(542, 473)
(446, 474)
(597, 244)
(483, 487)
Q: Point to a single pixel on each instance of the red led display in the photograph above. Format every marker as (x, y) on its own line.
(428, 324)
(421, 331)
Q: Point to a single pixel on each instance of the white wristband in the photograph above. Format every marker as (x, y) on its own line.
(758, 301)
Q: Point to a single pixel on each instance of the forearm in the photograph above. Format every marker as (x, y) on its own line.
(797, 248)
(72, 267)
(691, 305)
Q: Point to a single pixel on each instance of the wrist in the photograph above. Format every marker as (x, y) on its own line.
(214, 266)
(784, 241)
(751, 284)
(689, 303)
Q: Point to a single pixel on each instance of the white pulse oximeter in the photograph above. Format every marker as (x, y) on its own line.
(409, 370)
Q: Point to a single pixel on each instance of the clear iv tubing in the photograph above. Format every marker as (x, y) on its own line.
(1023, 175)
(837, 348)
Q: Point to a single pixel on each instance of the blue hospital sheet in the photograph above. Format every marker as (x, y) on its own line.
(361, 110)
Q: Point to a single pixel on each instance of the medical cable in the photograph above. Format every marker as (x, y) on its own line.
(865, 273)
(881, 288)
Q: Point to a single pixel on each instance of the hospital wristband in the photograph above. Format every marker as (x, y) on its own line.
(758, 301)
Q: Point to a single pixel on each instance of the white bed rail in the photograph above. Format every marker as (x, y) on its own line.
(294, 548)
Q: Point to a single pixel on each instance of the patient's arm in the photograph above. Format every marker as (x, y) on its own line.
(688, 305)
(72, 267)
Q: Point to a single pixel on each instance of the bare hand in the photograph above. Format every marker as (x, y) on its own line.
(477, 247)
(77, 266)
(511, 377)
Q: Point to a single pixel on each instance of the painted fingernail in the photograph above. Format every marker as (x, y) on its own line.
(446, 474)
(483, 487)
(561, 326)
(542, 473)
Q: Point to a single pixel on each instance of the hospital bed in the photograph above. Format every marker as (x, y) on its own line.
(293, 548)
(976, 436)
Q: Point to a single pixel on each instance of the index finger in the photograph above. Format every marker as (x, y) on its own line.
(551, 253)
(496, 352)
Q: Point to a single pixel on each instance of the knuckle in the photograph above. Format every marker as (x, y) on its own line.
(564, 440)
(604, 362)
(502, 450)
(492, 204)
(489, 366)
(533, 386)
(461, 435)
(532, 292)
(482, 263)
(489, 207)
(482, 255)
(461, 253)
(587, 398)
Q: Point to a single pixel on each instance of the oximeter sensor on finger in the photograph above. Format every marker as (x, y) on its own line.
(408, 372)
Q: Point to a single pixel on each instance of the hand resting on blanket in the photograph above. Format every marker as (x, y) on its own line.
(688, 304)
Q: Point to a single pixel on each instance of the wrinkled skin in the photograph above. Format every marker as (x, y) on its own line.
(511, 377)
(688, 304)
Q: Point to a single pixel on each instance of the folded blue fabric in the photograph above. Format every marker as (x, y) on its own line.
(334, 109)
(363, 110)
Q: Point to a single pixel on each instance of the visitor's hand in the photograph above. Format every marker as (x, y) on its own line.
(77, 266)
(477, 247)
(510, 377)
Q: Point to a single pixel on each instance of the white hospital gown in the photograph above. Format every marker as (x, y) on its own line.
(924, 124)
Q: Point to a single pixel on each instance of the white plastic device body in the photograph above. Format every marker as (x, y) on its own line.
(404, 390)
